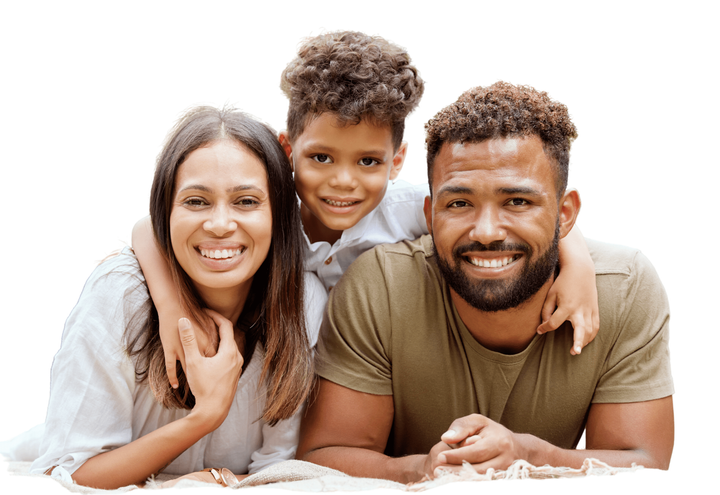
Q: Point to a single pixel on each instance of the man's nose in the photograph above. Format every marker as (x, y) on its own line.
(487, 227)
(344, 177)
(221, 222)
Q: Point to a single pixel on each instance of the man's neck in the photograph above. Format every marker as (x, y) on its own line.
(509, 331)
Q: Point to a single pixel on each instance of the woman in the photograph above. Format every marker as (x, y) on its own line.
(224, 214)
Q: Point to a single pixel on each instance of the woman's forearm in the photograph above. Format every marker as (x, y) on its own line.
(135, 462)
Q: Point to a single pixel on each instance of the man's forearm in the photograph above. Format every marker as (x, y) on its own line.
(368, 463)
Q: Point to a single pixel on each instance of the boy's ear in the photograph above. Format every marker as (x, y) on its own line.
(398, 161)
(285, 143)
(569, 208)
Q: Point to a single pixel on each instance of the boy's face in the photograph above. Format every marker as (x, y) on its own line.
(341, 173)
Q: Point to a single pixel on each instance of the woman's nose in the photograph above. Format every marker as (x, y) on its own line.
(220, 222)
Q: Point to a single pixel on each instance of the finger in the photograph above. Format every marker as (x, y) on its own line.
(478, 452)
(170, 360)
(548, 306)
(552, 323)
(225, 329)
(187, 339)
(462, 428)
(580, 334)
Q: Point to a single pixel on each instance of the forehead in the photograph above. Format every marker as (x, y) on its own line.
(502, 162)
(328, 129)
(222, 161)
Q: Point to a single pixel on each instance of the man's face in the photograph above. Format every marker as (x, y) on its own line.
(494, 220)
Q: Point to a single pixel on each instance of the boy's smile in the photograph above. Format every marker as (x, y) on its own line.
(341, 173)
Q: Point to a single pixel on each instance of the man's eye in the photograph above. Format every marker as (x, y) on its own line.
(368, 162)
(322, 158)
(458, 204)
(518, 202)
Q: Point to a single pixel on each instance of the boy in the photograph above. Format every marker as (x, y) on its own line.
(349, 96)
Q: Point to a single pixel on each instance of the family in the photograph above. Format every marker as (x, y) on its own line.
(289, 298)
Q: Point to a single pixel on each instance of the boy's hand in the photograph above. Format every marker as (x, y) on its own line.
(577, 301)
(173, 349)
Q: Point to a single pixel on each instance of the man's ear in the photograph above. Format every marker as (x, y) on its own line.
(287, 146)
(569, 209)
(427, 209)
(398, 161)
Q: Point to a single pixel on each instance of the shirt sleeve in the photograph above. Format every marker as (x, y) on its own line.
(638, 365)
(92, 378)
(353, 350)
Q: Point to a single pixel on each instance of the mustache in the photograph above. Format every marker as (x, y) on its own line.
(493, 246)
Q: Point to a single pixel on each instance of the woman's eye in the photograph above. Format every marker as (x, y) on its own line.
(195, 202)
(322, 158)
(368, 162)
(247, 202)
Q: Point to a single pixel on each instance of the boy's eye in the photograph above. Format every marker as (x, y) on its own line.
(322, 158)
(368, 162)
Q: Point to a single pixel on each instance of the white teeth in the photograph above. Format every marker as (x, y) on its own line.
(219, 255)
(339, 203)
(493, 263)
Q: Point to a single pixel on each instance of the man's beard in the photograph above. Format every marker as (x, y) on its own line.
(495, 294)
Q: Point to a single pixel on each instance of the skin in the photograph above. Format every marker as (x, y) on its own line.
(346, 164)
(495, 190)
(221, 200)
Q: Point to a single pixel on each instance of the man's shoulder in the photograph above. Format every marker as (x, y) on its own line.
(408, 258)
(615, 259)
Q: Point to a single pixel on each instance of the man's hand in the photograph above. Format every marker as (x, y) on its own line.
(478, 440)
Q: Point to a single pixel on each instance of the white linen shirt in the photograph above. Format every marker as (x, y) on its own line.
(96, 405)
(398, 217)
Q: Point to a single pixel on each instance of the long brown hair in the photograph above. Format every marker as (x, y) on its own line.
(275, 303)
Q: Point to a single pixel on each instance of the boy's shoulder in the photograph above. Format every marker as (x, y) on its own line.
(403, 192)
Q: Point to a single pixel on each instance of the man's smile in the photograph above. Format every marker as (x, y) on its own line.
(496, 262)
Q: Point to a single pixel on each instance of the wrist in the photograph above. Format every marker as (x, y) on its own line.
(206, 419)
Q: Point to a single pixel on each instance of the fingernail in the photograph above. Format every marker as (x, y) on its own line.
(578, 349)
(442, 459)
(174, 385)
(451, 433)
(183, 324)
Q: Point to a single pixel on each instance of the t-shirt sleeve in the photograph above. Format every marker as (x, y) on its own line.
(638, 365)
(92, 378)
(354, 337)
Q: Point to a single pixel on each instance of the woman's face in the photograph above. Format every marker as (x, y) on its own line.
(221, 222)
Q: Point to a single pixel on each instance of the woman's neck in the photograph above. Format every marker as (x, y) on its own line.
(228, 302)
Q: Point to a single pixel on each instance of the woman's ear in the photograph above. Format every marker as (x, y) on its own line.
(569, 208)
(287, 146)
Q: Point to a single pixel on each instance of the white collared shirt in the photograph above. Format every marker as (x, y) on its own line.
(398, 217)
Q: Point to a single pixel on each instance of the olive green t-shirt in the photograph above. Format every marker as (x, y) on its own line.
(392, 329)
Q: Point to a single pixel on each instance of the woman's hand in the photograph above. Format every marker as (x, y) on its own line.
(173, 348)
(213, 380)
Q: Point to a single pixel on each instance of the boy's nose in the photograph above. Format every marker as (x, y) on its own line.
(344, 178)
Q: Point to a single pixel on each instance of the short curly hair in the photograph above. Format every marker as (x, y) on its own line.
(504, 110)
(354, 76)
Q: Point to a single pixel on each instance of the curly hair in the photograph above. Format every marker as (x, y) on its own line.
(354, 76)
(504, 110)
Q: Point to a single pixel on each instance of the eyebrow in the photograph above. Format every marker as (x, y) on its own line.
(454, 190)
(519, 190)
(200, 187)
(321, 148)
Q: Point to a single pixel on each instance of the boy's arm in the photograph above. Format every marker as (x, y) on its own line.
(164, 296)
(574, 293)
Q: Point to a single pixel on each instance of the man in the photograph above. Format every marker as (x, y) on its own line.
(430, 354)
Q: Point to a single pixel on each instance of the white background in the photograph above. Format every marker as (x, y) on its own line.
(89, 90)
